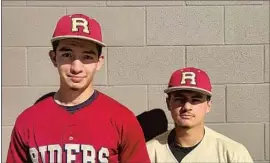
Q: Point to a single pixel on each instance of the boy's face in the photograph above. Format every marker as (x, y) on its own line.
(77, 61)
(188, 108)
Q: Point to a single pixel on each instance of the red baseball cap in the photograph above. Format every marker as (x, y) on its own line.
(190, 78)
(78, 26)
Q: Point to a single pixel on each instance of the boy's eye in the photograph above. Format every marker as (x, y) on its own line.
(66, 55)
(179, 100)
(195, 101)
(88, 57)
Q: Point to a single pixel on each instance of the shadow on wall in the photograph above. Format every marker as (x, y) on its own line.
(153, 122)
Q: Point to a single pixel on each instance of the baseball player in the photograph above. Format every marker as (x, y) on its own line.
(189, 100)
(78, 123)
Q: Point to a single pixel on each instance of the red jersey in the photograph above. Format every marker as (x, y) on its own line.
(104, 131)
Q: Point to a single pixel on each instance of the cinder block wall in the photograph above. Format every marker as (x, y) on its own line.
(147, 41)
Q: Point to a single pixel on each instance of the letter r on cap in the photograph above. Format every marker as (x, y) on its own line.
(188, 75)
(79, 22)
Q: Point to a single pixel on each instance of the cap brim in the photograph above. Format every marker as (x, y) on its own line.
(78, 37)
(173, 89)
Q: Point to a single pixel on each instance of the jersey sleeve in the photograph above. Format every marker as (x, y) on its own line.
(242, 155)
(151, 150)
(133, 145)
(18, 150)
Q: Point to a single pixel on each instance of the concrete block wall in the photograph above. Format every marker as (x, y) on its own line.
(147, 41)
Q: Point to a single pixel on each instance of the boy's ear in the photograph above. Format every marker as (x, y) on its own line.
(209, 106)
(52, 55)
(168, 103)
(100, 62)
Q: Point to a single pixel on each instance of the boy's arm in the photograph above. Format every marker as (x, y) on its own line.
(18, 150)
(133, 148)
(242, 155)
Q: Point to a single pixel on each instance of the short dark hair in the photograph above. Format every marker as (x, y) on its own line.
(56, 43)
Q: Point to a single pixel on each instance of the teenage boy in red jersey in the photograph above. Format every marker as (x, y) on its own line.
(78, 123)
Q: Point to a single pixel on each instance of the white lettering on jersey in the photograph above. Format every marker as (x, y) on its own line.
(55, 149)
(188, 75)
(34, 155)
(42, 150)
(70, 148)
(103, 154)
(79, 22)
(55, 152)
(86, 149)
